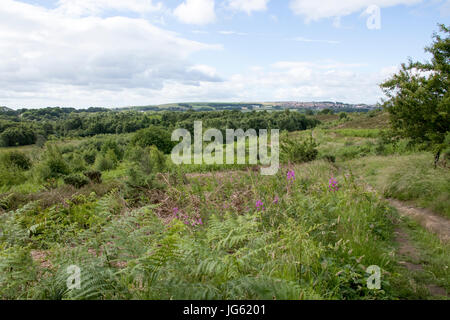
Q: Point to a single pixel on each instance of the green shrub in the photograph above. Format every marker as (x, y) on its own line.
(11, 175)
(94, 175)
(76, 180)
(17, 136)
(53, 164)
(134, 153)
(16, 158)
(329, 157)
(327, 111)
(146, 165)
(154, 136)
(112, 144)
(17, 272)
(104, 162)
(89, 155)
(297, 150)
(77, 163)
(356, 151)
(67, 148)
(446, 148)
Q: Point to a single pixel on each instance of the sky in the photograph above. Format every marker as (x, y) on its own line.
(115, 53)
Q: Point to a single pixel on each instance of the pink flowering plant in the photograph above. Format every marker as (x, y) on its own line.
(333, 185)
(260, 205)
(291, 176)
(186, 219)
(276, 200)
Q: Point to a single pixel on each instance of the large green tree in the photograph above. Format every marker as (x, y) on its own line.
(418, 96)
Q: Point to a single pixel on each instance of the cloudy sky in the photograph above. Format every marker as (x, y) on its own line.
(111, 53)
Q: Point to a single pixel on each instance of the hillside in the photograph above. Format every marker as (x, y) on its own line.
(140, 227)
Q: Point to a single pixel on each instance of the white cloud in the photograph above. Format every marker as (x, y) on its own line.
(204, 70)
(281, 81)
(274, 18)
(301, 39)
(230, 32)
(52, 57)
(45, 54)
(287, 80)
(95, 7)
(248, 6)
(313, 10)
(198, 12)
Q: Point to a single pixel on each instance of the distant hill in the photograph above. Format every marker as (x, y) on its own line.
(258, 106)
(5, 109)
(215, 106)
(320, 105)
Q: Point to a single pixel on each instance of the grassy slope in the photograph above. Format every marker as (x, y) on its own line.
(408, 178)
(433, 255)
(313, 244)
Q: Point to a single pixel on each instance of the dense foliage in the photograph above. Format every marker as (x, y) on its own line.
(25, 127)
(139, 227)
(419, 97)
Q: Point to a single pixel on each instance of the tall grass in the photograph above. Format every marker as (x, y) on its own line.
(409, 178)
(313, 243)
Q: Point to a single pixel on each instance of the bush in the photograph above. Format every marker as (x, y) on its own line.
(17, 272)
(17, 136)
(11, 175)
(330, 158)
(40, 140)
(145, 168)
(104, 163)
(94, 175)
(77, 163)
(296, 150)
(154, 136)
(111, 144)
(357, 151)
(16, 158)
(53, 165)
(343, 115)
(89, 155)
(76, 180)
(327, 111)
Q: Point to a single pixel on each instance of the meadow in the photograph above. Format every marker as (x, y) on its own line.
(139, 227)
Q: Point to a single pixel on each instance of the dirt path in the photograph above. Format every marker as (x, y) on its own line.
(406, 251)
(429, 220)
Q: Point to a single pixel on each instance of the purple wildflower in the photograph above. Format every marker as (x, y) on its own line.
(333, 185)
(291, 175)
(276, 200)
(186, 219)
(259, 205)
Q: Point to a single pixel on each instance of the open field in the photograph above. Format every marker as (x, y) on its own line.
(148, 229)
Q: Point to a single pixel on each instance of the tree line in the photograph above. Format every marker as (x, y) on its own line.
(25, 127)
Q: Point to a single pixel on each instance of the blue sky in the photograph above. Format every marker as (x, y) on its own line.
(111, 53)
